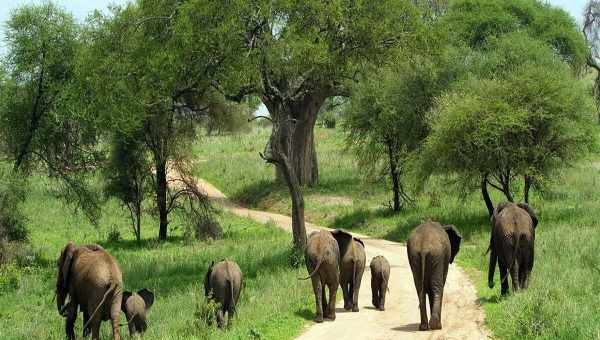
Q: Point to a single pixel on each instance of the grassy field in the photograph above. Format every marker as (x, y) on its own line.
(274, 304)
(562, 300)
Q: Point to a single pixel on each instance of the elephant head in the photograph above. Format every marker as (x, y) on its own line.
(62, 279)
(455, 239)
(534, 218)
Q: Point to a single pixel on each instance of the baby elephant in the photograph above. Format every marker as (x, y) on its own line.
(431, 248)
(223, 284)
(136, 307)
(380, 275)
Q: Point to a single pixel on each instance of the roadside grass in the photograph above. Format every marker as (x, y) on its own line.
(562, 300)
(274, 304)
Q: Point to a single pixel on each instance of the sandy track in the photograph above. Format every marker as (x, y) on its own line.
(462, 317)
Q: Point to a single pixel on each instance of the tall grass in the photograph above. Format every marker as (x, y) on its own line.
(274, 304)
(563, 298)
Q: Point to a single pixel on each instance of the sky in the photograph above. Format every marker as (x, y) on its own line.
(81, 8)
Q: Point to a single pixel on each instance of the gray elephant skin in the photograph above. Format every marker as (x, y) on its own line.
(512, 245)
(352, 266)
(322, 257)
(136, 307)
(431, 248)
(380, 276)
(223, 284)
(92, 279)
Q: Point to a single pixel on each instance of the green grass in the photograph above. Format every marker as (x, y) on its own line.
(563, 298)
(274, 304)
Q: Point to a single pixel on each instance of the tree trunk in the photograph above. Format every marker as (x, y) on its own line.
(528, 181)
(486, 196)
(303, 154)
(298, 223)
(161, 199)
(395, 177)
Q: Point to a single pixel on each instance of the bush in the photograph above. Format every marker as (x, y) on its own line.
(12, 194)
(205, 316)
(114, 235)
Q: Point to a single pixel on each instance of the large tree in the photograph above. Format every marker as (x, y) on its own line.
(523, 116)
(148, 67)
(591, 30)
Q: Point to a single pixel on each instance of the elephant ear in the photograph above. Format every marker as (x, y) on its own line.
(359, 241)
(455, 239)
(126, 295)
(532, 214)
(497, 211)
(147, 296)
(207, 278)
(343, 239)
(65, 261)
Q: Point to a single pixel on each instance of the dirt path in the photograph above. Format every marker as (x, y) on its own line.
(462, 317)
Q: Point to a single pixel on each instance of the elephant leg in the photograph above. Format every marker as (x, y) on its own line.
(95, 325)
(318, 290)
(333, 288)
(503, 278)
(355, 289)
(375, 290)
(382, 291)
(115, 314)
(436, 310)
(514, 274)
(70, 320)
(325, 307)
(526, 266)
(86, 318)
(346, 293)
(415, 266)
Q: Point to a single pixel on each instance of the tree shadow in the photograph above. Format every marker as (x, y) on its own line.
(305, 313)
(412, 327)
(256, 192)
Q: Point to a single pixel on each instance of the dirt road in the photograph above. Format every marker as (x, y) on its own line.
(462, 317)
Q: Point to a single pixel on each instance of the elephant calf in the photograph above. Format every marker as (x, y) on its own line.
(322, 256)
(431, 248)
(352, 266)
(136, 307)
(380, 276)
(223, 284)
(511, 245)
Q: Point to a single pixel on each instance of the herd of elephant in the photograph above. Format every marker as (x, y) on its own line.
(335, 258)
(92, 279)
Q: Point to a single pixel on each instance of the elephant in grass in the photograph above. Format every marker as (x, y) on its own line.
(136, 307)
(512, 244)
(380, 276)
(431, 248)
(322, 256)
(92, 279)
(352, 266)
(223, 284)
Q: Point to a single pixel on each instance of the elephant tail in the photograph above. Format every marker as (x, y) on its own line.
(232, 301)
(110, 289)
(314, 271)
(514, 256)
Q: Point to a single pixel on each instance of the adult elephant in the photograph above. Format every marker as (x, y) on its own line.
(352, 266)
(223, 284)
(92, 279)
(431, 248)
(512, 244)
(322, 257)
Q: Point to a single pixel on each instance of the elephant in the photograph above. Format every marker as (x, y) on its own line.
(223, 284)
(136, 307)
(93, 280)
(322, 257)
(431, 248)
(352, 266)
(380, 276)
(512, 244)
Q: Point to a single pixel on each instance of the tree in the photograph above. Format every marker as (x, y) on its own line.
(385, 123)
(37, 127)
(591, 31)
(299, 53)
(527, 118)
(147, 65)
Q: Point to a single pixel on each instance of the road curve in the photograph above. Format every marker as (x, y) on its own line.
(462, 316)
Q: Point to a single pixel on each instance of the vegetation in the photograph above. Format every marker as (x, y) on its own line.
(274, 304)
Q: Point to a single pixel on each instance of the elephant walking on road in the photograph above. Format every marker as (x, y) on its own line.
(352, 266)
(512, 244)
(223, 284)
(431, 248)
(322, 256)
(380, 276)
(93, 281)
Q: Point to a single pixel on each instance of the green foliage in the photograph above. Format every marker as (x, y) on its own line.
(12, 196)
(530, 118)
(475, 22)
